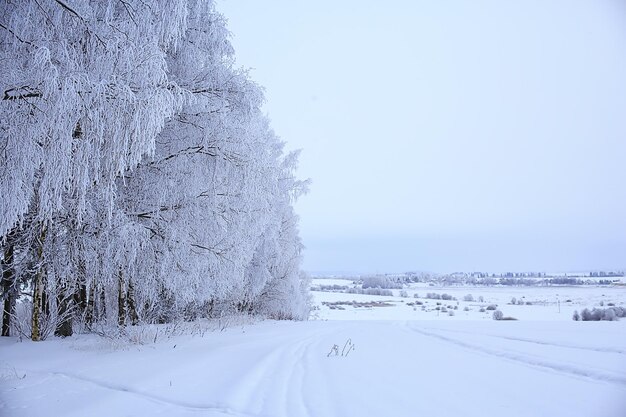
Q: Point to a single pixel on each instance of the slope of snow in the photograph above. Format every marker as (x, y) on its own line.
(397, 368)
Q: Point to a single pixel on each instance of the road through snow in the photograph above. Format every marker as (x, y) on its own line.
(397, 368)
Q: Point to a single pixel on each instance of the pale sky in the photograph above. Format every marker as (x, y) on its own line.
(448, 135)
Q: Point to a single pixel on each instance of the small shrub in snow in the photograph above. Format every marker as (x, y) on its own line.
(492, 307)
(513, 300)
(333, 287)
(520, 302)
(444, 310)
(370, 291)
(451, 313)
(585, 314)
(404, 294)
(468, 297)
(597, 314)
(416, 295)
(611, 304)
(601, 303)
(466, 308)
(481, 299)
(482, 309)
(497, 315)
(381, 282)
(576, 316)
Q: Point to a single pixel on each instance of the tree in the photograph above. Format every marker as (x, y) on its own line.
(142, 179)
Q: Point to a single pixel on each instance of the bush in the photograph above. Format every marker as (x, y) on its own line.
(380, 282)
(497, 315)
(370, 291)
(481, 299)
(404, 294)
(585, 315)
(333, 287)
(482, 309)
(446, 297)
(468, 297)
(513, 300)
(451, 313)
(466, 308)
(597, 314)
(492, 307)
(576, 316)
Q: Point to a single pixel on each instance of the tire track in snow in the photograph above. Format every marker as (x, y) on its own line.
(191, 406)
(539, 342)
(530, 360)
(275, 385)
(295, 382)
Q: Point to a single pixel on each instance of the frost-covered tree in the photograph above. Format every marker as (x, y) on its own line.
(140, 179)
(85, 91)
(212, 198)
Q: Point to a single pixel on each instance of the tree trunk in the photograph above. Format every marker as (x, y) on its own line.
(45, 299)
(80, 292)
(91, 303)
(132, 308)
(8, 288)
(102, 309)
(38, 291)
(64, 317)
(121, 300)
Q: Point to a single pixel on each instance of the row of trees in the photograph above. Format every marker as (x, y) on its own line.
(140, 180)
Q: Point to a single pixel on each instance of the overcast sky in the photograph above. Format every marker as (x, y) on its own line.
(448, 135)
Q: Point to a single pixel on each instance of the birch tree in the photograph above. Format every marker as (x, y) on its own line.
(137, 170)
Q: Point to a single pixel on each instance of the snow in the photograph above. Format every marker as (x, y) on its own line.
(403, 363)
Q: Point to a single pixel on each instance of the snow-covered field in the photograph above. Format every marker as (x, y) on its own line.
(397, 361)
(532, 303)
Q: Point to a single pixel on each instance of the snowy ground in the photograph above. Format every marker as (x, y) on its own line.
(404, 363)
